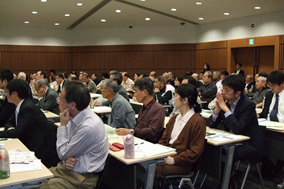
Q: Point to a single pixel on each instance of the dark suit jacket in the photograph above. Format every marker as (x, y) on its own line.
(6, 111)
(267, 102)
(242, 72)
(32, 128)
(48, 102)
(244, 122)
(59, 89)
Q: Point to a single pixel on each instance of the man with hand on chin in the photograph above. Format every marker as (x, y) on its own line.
(82, 142)
(236, 112)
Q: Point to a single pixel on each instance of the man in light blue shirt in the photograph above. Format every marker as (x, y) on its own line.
(82, 142)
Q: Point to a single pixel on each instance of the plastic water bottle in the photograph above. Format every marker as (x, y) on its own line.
(128, 146)
(4, 162)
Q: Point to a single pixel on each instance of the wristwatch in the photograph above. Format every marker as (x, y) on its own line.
(132, 132)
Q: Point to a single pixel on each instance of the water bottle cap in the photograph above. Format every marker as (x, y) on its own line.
(2, 145)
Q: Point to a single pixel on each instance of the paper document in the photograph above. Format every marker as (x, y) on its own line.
(264, 122)
(111, 133)
(146, 149)
(220, 136)
(23, 161)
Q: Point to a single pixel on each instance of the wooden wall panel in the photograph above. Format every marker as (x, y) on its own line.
(281, 56)
(266, 59)
(246, 56)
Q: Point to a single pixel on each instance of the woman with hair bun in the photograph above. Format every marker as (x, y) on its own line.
(185, 132)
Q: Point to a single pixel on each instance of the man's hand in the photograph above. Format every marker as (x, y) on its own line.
(156, 90)
(221, 104)
(70, 162)
(97, 104)
(122, 131)
(64, 117)
(169, 160)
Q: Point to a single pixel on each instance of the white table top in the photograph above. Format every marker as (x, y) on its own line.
(135, 102)
(94, 95)
(49, 114)
(23, 177)
(101, 109)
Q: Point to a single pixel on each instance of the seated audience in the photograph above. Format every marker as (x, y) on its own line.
(95, 78)
(122, 114)
(235, 112)
(249, 84)
(216, 76)
(47, 96)
(198, 82)
(164, 93)
(262, 90)
(208, 91)
(28, 123)
(150, 121)
(7, 109)
(178, 81)
(60, 82)
(185, 132)
(22, 76)
(91, 86)
(51, 76)
(82, 142)
(239, 69)
(127, 83)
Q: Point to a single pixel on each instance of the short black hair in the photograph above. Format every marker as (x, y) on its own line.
(189, 91)
(78, 93)
(53, 71)
(179, 78)
(190, 80)
(61, 75)
(145, 83)
(263, 74)
(236, 82)
(105, 75)
(225, 73)
(117, 76)
(276, 77)
(6, 74)
(43, 73)
(240, 64)
(126, 74)
(19, 86)
(210, 75)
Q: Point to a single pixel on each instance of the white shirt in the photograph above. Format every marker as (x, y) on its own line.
(280, 113)
(127, 84)
(179, 124)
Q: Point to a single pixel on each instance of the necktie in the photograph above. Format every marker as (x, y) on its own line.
(16, 117)
(273, 113)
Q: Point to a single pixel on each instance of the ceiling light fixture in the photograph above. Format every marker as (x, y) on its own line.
(26, 22)
(198, 3)
(147, 19)
(201, 18)
(67, 15)
(226, 13)
(43, 1)
(79, 4)
(118, 11)
(103, 20)
(173, 9)
(257, 8)
(56, 24)
(142, 0)
(34, 12)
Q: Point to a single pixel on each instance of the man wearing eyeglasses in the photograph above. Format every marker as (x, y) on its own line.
(47, 96)
(82, 142)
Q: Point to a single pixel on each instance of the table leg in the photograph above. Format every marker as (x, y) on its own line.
(228, 166)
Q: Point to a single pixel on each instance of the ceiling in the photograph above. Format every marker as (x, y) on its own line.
(133, 12)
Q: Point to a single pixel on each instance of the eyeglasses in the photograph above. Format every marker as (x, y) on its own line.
(272, 85)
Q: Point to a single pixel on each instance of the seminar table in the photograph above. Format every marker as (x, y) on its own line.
(28, 177)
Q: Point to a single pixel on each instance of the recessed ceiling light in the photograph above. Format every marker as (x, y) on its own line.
(142, 0)
(198, 3)
(43, 0)
(257, 8)
(26, 22)
(201, 18)
(79, 4)
(56, 24)
(118, 11)
(226, 13)
(34, 12)
(103, 20)
(147, 19)
(67, 15)
(173, 9)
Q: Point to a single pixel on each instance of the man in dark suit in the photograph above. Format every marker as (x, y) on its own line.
(6, 109)
(208, 91)
(47, 96)
(60, 82)
(28, 123)
(236, 112)
(239, 69)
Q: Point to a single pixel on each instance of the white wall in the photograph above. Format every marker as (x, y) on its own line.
(265, 25)
(120, 36)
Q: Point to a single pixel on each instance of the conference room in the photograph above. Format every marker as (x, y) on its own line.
(143, 36)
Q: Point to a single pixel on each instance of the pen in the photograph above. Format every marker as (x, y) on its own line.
(20, 162)
(139, 143)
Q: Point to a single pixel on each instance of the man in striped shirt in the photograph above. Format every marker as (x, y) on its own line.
(82, 142)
